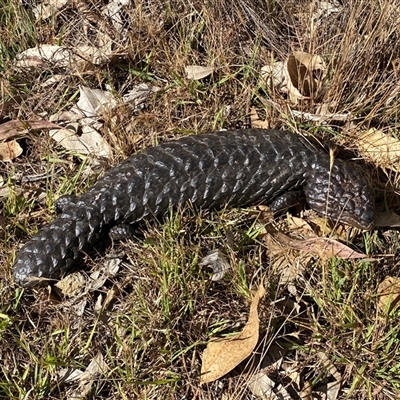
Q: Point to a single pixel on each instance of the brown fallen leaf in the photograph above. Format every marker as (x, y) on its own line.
(288, 263)
(389, 293)
(223, 355)
(379, 147)
(299, 224)
(302, 67)
(321, 246)
(9, 150)
(15, 128)
(276, 76)
(296, 76)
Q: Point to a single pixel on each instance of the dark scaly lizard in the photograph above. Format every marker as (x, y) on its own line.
(239, 168)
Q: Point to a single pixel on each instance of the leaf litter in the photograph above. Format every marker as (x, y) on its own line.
(223, 355)
(298, 74)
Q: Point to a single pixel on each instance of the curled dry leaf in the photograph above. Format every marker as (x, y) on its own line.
(197, 72)
(92, 103)
(85, 379)
(277, 76)
(216, 260)
(42, 55)
(389, 294)
(110, 269)
(223, 355)
(95, 143)
(296, 76)
(138, 95)
(302, 68)
(16, 128)
(287, 264)
(380, 148)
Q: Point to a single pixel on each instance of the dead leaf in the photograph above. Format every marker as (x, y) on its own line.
(216, 260)
(256, 122)
(93, 102)
(110, 269)
(307, 392)
(284, 261)
(79, 307)
(299, 224)
(139, 94)
(288, 263)
(322, 117)
(94, 142)
(332, 390)
(85, 379)
(114, 13)
(321, 246)
(89, 142)
(69, 140)
(296, 76)
(47, 9)
(60, 57)
(223, 355)
(389, 294)
(380, 148)
(387, 219)
(16, 128)
(72, 285)
(85, 55)
(196, 72)
(276, 76)
(263, 387)
(43, 55)
(52, 80)
(324, 9)
(301, 68)
(329, 366)
(10, 150)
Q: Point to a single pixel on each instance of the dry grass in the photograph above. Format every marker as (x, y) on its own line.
(163, 307)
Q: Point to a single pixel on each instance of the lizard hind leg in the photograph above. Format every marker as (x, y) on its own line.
(287, 200)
